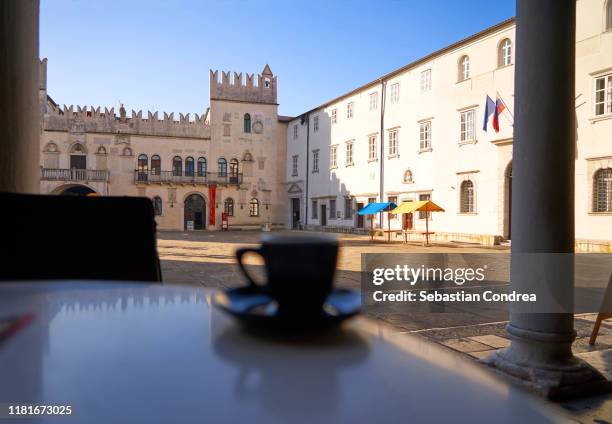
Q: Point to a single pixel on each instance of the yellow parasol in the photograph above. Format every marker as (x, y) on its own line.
(420, 206)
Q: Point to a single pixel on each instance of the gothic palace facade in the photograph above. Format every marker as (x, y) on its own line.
(193, 169)
(415, 133)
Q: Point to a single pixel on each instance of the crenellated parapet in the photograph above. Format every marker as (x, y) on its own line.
(254, 89)
(96, 120)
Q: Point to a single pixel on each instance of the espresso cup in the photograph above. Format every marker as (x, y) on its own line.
(299, 268)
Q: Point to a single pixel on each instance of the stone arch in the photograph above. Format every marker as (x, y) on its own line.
(75, 190)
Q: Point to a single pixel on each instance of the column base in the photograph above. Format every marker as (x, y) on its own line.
(540, 363)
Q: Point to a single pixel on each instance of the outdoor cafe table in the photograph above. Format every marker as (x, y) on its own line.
(153, 353)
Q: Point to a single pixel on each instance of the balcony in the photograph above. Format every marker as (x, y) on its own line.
(80, 175)
(170, 177)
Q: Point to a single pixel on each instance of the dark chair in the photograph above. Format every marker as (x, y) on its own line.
(74, 237)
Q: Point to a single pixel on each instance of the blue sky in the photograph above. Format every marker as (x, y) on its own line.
(155, 54)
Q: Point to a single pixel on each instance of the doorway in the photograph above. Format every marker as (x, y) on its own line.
(359, 217)
(78, 161)
(323, 215)
(295, 213)
(194, 212)
(407, 221)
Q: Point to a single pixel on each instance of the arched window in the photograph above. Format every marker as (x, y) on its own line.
(157, 205)
(504, 54)
(177, 166)
(464, 68)
(247, 123)
(467, 197)
(201, 167)
(155, 165)
(143, 164)
(189, 167)
(228, 206)
(609, 15)
(222, 167)
(233, 169)
(602, 190)
(254, 207)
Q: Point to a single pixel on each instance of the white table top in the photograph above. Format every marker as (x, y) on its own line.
(128, 352)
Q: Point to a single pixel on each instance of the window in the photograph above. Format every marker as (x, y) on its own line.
(372, 147)
(155, 165)
(201, 167)
(349, 110)
(332, 208)
(348, 208)
(315, 160)
(464, 68)
(392, 199)
(101, 150)
(609, 15)
(602, 190)
(315, 209)
(603, 94)
(373, 101)
(467, 197)
(504, 55)
(295, 131)
(177, 166)
(371, 200)
(467, 126)
(395, 93)
(261, 163)
(425, 80)
(267, 82)
(227, 130)
(423, 214)
(189, 167)
(393, 143)
(233, 168)
(315, 123)
(143, 164)
(157, 205)
(333, 156)
(228, 206)
(349, 153)
(334, 116)
(294, 172)
(425, 135)
(254, 207)
(247, 123)
(227, 117)
(222, 167)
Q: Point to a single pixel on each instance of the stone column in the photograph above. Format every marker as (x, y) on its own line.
(19, 104)
(543, 198)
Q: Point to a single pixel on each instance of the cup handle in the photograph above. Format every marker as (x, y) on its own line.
(239, 254)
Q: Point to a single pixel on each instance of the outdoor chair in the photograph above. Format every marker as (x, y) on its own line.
(76, 237)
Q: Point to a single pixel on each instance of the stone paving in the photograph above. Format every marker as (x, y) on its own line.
(207, 259)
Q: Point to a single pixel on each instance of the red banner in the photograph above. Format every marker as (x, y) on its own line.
(212, 190)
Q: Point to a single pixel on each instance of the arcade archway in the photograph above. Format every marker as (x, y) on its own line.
(195, 212)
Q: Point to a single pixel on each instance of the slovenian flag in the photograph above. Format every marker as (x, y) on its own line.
(499, 108)
(490, 108)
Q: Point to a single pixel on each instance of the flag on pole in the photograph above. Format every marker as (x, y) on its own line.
(499, 108)
(489, 110)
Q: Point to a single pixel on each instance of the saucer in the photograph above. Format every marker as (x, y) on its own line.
(252, 307)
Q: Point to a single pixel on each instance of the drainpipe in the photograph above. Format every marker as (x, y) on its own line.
(383, 91)
(306, 119)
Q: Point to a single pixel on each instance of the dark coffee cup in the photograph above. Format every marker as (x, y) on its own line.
(300, 270)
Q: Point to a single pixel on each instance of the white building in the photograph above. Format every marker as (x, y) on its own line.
(417, 133)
